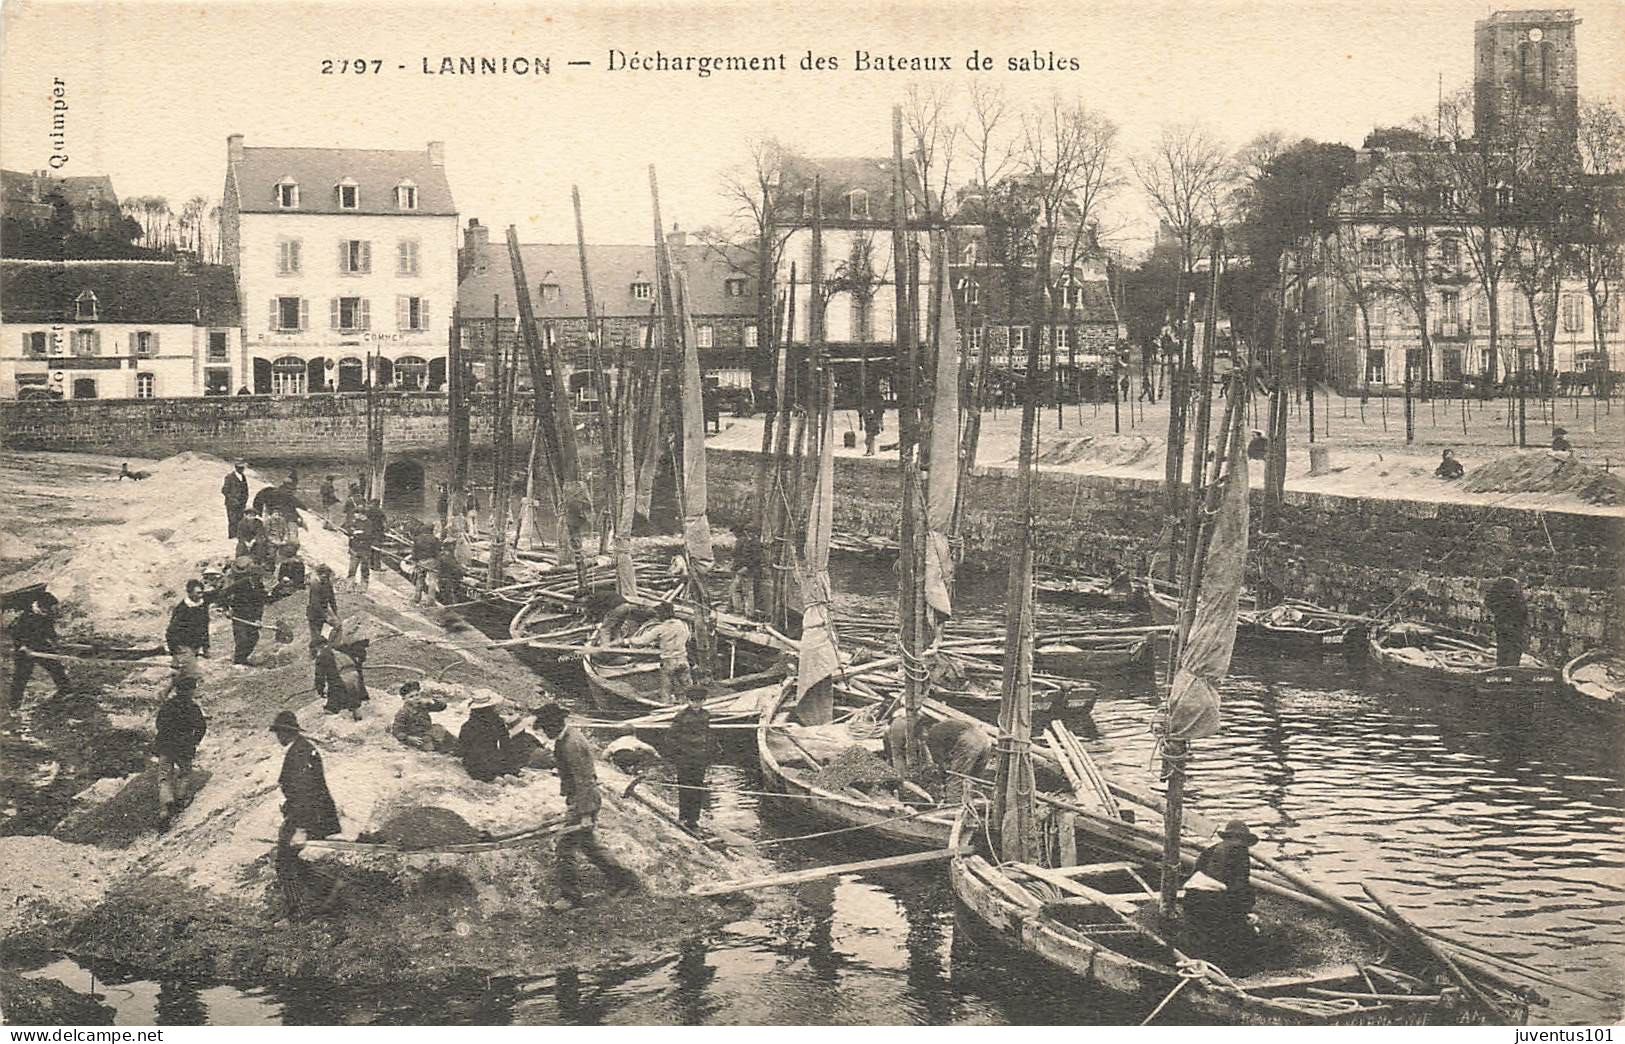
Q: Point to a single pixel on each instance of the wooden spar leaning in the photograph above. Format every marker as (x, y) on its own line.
(545, 387)
(775, 545)
(910, 589)
(1013, 782)
(457, 448)
(608, 444)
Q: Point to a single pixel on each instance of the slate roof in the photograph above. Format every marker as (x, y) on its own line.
(837, 177)
(614, 269)
(317, 171)
(156, 292)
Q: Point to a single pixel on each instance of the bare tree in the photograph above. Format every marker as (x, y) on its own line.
(987, 135)
(930, 120)
(1186, 175)
(1595, 233)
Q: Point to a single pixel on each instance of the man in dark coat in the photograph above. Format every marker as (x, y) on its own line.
(245, 603)
(322, 604)
(377, 527)
(307, 805)
(874, 422)
(578, 781)
(480, 741)
(34, 630)
(1560, 440)
(180, 728)
(1510, 614)
(425, 565)
(689, 749)
(188, 635)
(339, 678)
(235, 492)
(329, 495)
(1219, 898)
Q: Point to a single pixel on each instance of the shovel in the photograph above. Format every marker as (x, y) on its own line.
(281, 631)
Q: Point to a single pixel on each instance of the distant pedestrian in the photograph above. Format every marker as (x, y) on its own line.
(34, 631)
(360, 548)
(442, 505)
(322, 604)
(329, 496)
(180, 728)
(689, 749)
(352, 505)
(187, 637)
(874, 422)
(1449, 467)
(747, 560)
(1258, 447)
(425, 566)
(578, 781)
(1560, 441)
(235, 493)
(377, 528)
(1510, 614)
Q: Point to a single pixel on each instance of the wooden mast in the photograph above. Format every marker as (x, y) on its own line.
(600, 376)
(1176, 751)
(911, 610)
(456, 429)
(775, 545)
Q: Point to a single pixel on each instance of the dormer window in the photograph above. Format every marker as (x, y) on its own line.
(349, 194)
(551, 290)
(642, 289)
(406, 196)
(287, 194)
(735, 286)
(857, 205)
(84, 306)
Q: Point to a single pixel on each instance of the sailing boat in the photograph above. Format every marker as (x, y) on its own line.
(1320, 959)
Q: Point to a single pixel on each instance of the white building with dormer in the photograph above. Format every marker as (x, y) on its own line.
(342, 256)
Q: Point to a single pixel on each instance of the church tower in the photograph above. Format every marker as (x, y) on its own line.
(1526, 73)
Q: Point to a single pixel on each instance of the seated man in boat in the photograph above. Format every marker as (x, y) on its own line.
(1218, 900)
(671, 635)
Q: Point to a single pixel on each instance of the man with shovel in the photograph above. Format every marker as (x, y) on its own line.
(578, 781)
(245, 604)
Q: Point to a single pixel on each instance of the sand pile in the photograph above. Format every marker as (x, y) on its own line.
(1546, 472)
(125, 577)
(1109, 450)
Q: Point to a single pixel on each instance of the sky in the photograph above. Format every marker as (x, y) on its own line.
(153, 88)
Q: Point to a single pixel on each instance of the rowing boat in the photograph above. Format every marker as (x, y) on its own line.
(747, 653)
(1421, 653)
(1099, 920)
(1596, 680)
(1087, 592)
(1300, 627)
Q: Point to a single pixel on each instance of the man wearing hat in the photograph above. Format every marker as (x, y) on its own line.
(578, 781)
(321, 605)
(1560, 441)
(671, 635)
(245, 604)
(1219, 898)
(34, 630)
(180, 728)
(235, 492)
(307, 805)
(481, 739)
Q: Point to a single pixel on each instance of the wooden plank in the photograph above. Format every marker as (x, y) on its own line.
(1121, 904)
(818, 873)
(1091, 869)
(1300, 977)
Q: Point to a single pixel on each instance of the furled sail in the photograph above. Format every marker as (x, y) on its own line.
(1204, 660)
(819, 657)
(943, 483)
(696, 524)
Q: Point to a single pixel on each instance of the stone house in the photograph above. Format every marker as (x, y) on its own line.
(344, 259)
(118, 329)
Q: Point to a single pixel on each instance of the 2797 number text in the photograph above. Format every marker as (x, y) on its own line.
(358, 66)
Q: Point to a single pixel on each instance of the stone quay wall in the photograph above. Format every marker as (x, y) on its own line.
(1352, 554)
(254, 426)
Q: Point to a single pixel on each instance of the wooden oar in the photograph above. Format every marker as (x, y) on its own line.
(1432, 949)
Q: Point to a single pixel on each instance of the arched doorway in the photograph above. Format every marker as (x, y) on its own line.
(352, 374)
(385, 372)
(411, 373)
(262, 376)
(437, 374)
(403, 485)
(316, 374)
(288, 376)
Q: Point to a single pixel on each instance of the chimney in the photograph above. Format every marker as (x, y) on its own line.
(476, 248)
(437, 153)
(676, 239)
(234, 149)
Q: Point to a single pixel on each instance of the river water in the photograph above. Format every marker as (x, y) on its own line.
(1504, 826)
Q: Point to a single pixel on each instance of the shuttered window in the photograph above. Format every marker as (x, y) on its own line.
(350, 314)
(411, 314)
(406, 257)
(355, 256)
